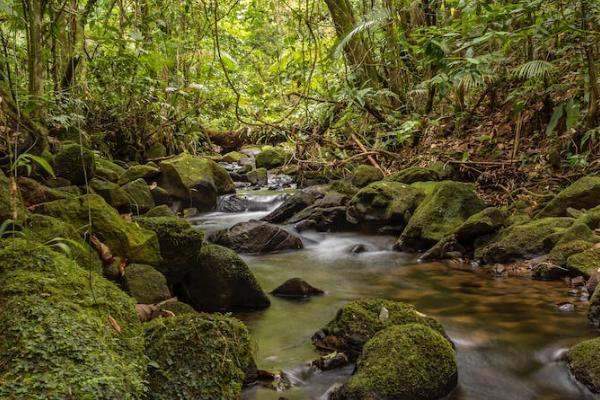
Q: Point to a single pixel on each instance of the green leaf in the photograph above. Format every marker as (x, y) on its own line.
(556, 115)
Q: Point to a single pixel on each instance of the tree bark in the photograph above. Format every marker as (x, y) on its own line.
(35, 47)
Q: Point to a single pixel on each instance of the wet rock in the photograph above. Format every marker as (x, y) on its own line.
(358, 321)
(583, 361)
(218, 281)
(365, 174)
(197, 356)
(548, 271)
(384, 203)
(485, 222)
(75, 163)
(410, 361)
(256, 237)
(160, 211)
(296, 288)
(272, 157)
(358, 249)
(196, 181)
(447, 248)
(145, 284)
(231, 203)
(566, 307)
(326, 213)
(291, 206)
(258, 177)
(140, 197)
(331, 361)
(124, 238)
(446, 207)
(582, 194)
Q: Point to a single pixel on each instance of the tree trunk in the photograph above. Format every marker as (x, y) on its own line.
(35, 15)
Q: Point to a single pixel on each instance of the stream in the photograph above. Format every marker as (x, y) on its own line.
(508, 331)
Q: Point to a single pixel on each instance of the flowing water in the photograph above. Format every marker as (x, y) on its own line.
(508, 332)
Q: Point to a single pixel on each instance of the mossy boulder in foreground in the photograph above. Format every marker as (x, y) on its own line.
(124, 238)
(197, 181)
(65, 336)
(146, 284)
(112, 193)
(358, 321)
(365, 174)
(33, 192)
(446, 207)
(75, 163)
(197, 356)
(141, 199)
(583, 360)
(403, 362)
(582, 194)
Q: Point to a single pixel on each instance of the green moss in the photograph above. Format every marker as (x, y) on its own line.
(404, 362)
(196, 180)
(584, 363)
(272, 157)
(112, 193)
(178, 308)
(441, 213)
(75, 163)
(524, 241)
(483, 223)
(258, 176)
(582, 194)
(233, 157)
(160, 211)
(124, 238)
(57, 340)
(384, 202)
(584, 263)
(145, 284)
(110, 170)
(415, 174)
(365, 174)
(562, 251)
(344, 187)
(140, 198)
(138, 172)
(33, 192)
(197, 356)
(358, 321)
(156, 150)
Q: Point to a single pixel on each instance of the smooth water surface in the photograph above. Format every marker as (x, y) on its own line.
(508, 331)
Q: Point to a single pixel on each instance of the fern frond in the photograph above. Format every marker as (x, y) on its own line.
(373, 20)
(536, 69)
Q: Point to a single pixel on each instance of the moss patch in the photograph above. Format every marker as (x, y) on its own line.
(272, 157)
(582, 194)
(584, 363)
(584, 263)
(112, 193)
(33, 192)
(365, 174)
(135, 172)
(197, 356)
(415, 174)
(146, 284)
(75, 163)
(141, 199)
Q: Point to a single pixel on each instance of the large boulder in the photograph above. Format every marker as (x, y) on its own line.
(197, 356)
(112, 193)
(145, 284)
(61, 338)
(196, 181)
(384, 202)
(448, 205)
(584, 263)
(272, 157)
(583, 360)
(582, 194)
(139, 195)
(358, 321)
(147, 172)
(11, 204)
(291, 206)
(125, 239)
(526, 240)
(326, 213)
(481, 224)
(180, 244)
(365, 174)
(256, 237)
(403, 362)
(220, 281)
(75, 163)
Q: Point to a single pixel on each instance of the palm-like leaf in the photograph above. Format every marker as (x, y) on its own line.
(536, 69)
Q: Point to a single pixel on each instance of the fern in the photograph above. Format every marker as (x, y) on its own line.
(535, 70)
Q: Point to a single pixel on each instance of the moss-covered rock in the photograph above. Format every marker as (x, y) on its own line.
(145, 284)
(197, 181)
(527, 240)
(156, 150)
(61, 339)
(177, 307)
(415, 174)
(140, 198)
(358, 321)
(112, 193)
(220, 281)
(233, 157)
(593, 314)
(583, 360)
(441, 212)
(160, 196)
(584, 263)
(563, 250)
(108, 170)
(75, 163)
(365, 174)
(11, 204)
(55, 232)
(33, 192)
(582, 194)
(146, 172)
(483, 223)
(160, 211)
(124, 238)
(272, 157)
(179, 244)
(197, 356)
(403, 362)
(384, 202)
(258, 176)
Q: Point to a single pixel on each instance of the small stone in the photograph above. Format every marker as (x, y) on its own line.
(566, 307)
(331, 361)
(358, 248)
(296, 288)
